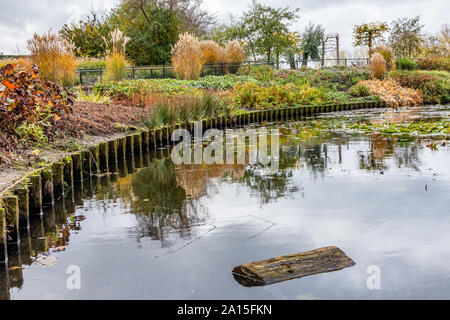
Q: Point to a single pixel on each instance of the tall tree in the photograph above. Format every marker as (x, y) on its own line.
(152, 28)
(194, 19)
(367, 34)
(444, 38)
(87, 36)
(264, 28)
(406, 36)
(311, 41)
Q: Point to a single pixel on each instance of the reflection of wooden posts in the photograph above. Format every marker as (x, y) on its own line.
(292, 266)
(68, 175)
(86, 156)
(95, 159)
(103, 157)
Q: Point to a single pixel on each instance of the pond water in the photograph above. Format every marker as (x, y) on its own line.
(175, 232)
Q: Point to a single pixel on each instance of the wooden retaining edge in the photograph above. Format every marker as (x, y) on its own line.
(41, 188)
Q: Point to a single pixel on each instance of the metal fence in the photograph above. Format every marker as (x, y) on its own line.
(88, 76)
(92, 75)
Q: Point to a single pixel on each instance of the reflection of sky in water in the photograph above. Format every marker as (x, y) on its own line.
(378, 215)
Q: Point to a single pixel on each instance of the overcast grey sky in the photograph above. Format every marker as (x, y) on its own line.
(19, 19)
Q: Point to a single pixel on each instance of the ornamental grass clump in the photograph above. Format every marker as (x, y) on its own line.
(116, 63)
(212, 53)
(187, 59)
(179, 109)
(234, 53)
(388, 56)
(377, 66)
(55, 58)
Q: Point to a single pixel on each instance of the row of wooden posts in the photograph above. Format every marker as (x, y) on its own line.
(42, 187)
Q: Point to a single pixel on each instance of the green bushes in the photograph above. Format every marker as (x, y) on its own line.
(406, 64)
(264, 73)
(252, 96)
(337, 78)
(32, 132)
(359, 90)
(171, 86)
(435, 90)
(92, 63)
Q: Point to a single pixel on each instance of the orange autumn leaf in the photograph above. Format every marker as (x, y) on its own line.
(10, 85)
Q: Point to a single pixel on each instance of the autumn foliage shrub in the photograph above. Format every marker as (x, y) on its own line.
(435, 91)
(434, 63)
(377, 66)
(27, 99)
(187, 59)
(54, 57)
(392, 93)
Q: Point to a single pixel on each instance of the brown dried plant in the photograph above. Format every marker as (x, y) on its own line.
(377, 66)
(187, 57)
(55, 58)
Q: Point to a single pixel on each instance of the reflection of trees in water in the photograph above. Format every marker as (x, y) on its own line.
(167, 199)
(407, 155)
(162, 209)
(404, 153)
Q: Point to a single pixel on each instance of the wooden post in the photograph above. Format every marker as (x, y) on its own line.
(11, 206)
(145, 141)
(129, 146)
(137, 144)
(58, 180)
(47, 186)
(35, 194)
(95, 159)
(24, 208)
(77, 160)
(3, 237)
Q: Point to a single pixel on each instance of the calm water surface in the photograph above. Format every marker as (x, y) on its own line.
(176, 232)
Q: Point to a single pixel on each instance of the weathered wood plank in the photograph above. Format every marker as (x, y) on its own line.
(291, 266)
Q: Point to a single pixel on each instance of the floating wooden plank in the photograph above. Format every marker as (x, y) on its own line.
(291, 266)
